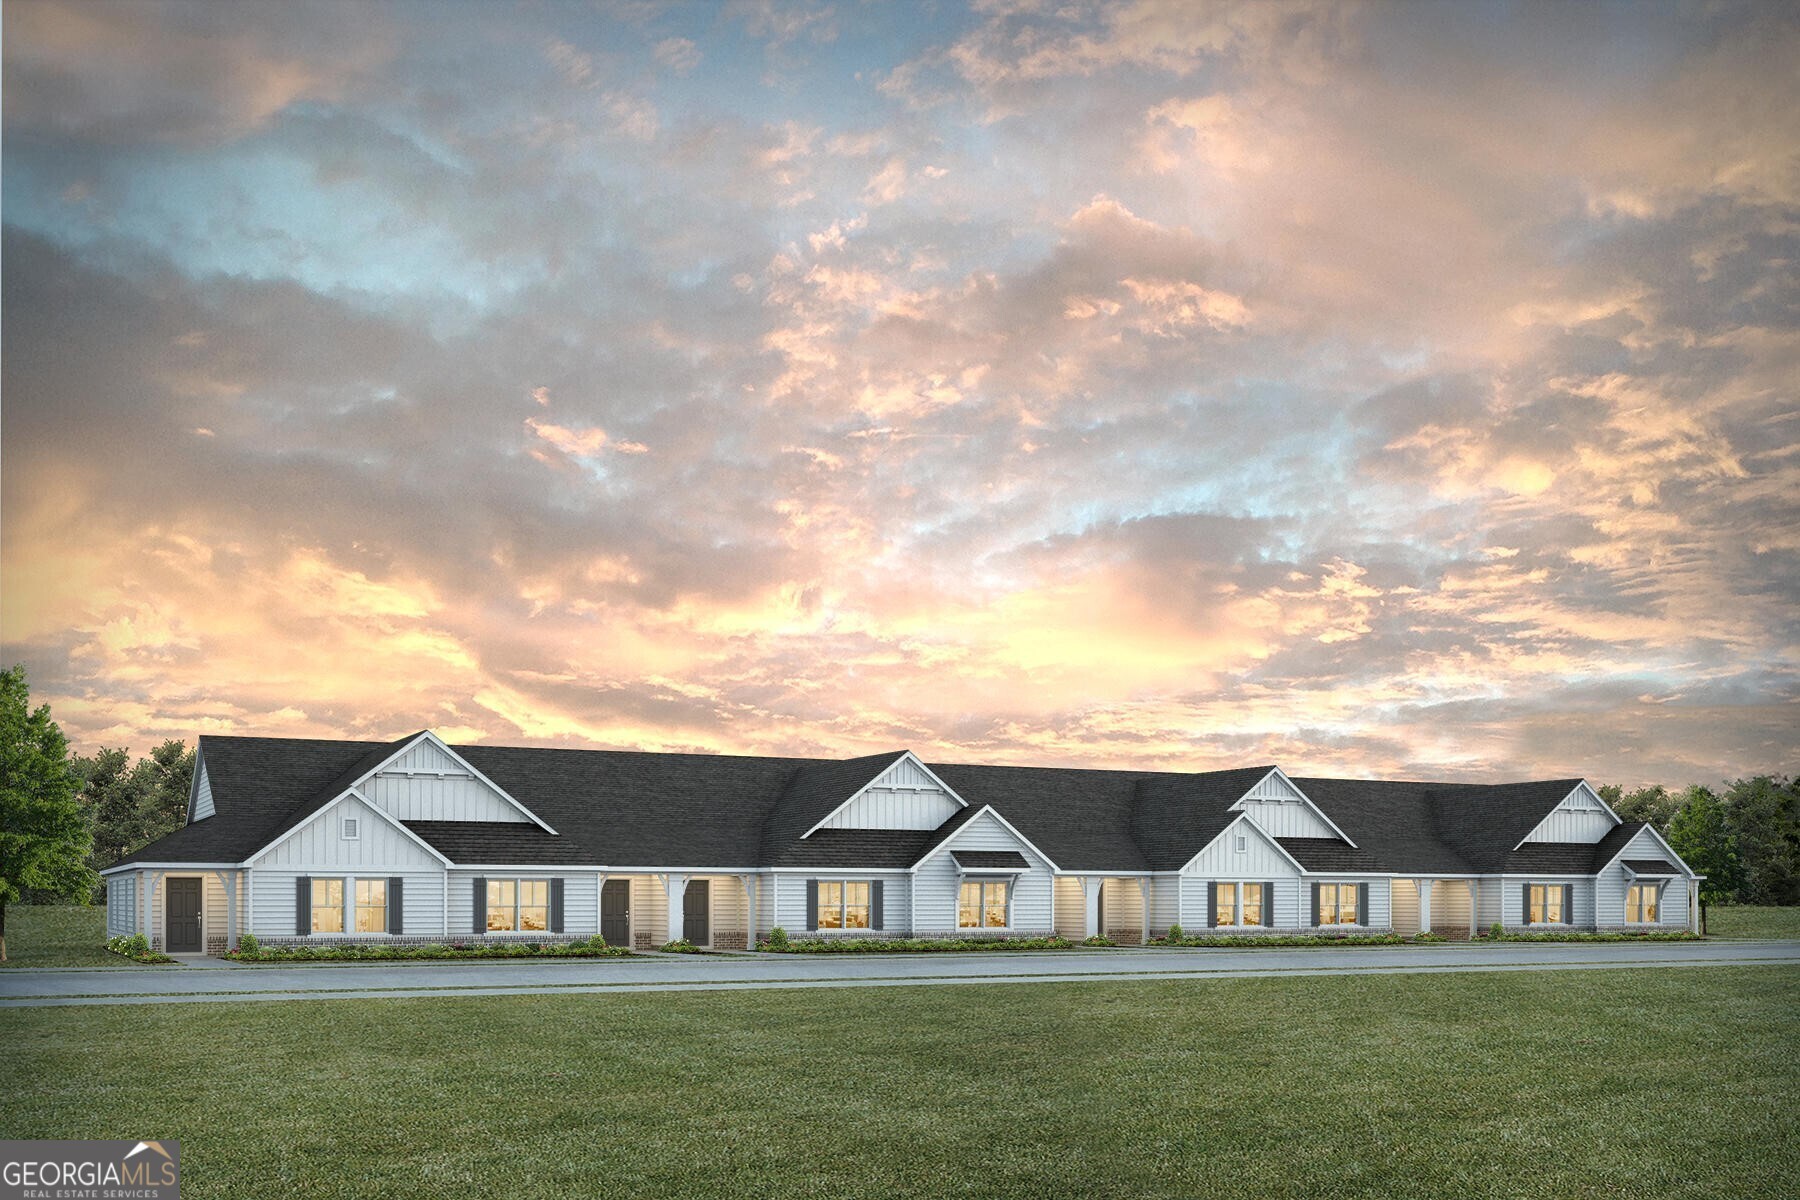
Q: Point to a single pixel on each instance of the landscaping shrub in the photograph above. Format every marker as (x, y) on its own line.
(248, 944)
(137, 949)
(778, 940)
(1175, 933)
(1098, 940)
(680, 946)
(1614, 935)
(257, 953)
(861, 945)
(1251, 941)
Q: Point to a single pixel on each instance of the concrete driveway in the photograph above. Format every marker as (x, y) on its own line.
(20, 987)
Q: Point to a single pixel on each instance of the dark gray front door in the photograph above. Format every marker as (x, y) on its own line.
(696, 912)
(181, 919)
(615, 912)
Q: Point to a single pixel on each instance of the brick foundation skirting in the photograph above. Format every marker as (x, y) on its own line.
(1124, 934)
(433, 939)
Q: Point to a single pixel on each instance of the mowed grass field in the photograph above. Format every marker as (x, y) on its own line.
(1752, 921)
(57, 935)
(1663, 1082)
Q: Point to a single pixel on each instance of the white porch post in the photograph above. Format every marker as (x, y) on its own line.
(1090, 894)
(749, 885)
(676, 888)
(1424, 886)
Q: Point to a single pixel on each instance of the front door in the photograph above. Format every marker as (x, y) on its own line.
(696, 912)
(181, 919)
(615, 912)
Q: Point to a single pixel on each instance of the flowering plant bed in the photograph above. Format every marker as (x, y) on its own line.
(1251, 941)
(137, 949)
(859, 945)
(250, 952)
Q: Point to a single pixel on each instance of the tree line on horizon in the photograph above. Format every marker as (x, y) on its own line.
(65, 817)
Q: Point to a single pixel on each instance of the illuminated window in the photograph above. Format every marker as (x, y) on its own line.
(1238, 903)
(518, 904)
(1547, 904)
(1337, 904)
(371, 906)
(982, 905)
(328, 906)
(844, 905)
(1640, 903)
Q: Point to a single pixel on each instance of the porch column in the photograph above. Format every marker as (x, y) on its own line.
(1424, 886)
(229, 881)
(1090, 892)
(749, 884)
(675, 886)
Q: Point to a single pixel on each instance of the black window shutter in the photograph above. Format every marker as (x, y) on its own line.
(480, 904)
(396, 901)
(303, 906)
(1315, 905)
(1527, 905)
(1568, 904)
(1212, 903)
(556, 905)
(1268, 902)
(1362, 904)
(812, 904)
(875, 913)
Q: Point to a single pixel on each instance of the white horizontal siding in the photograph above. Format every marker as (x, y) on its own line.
(896, 900)
(319, 845)
(1611, 885)
(1165, 907)
(1404, 901)
(581, 898)
(1122, 907)
(1290, 910)
(273, 900)
(121, 905)
(939, 881)
(649, 910)
(203, 797)
(1290, 818)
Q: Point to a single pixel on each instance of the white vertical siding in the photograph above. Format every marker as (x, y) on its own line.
(1289, 818)
(203, 797)
(320, 843)
(1259, 859)
(901, 797)
(425, 756)
(1272, 787)
(439, 798)
(938, 881)
(1565, 825)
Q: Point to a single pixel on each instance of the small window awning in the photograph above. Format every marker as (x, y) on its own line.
(1651, 868)
(990, 860)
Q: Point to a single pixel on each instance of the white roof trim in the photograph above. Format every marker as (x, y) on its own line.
(437, 741)
(1580, 786)
(944, 845)
(1238, 805)
(903, 756)
(1687, 872)
(1244, 818)
(347, 794)
(117, 868)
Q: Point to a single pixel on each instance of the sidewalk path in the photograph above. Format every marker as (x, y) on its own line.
(34, 986)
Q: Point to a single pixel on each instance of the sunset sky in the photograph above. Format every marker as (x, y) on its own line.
(1375, 390)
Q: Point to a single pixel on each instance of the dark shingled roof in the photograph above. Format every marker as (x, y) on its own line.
(1614, 843)
(1451, 828)
(258, 784)
(1650, 866)
(1329, 854)
(626, 809)
(989, 860)
(1551, 858)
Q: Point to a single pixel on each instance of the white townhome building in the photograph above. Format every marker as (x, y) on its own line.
(417, 841)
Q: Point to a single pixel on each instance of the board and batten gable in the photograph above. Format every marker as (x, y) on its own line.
(321, 844)
(905, 796)
(427, 784)
(938, 880)
(1581, 817)
(1260, 861)
(1278, 807)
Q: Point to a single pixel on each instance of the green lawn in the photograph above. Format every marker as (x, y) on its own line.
(1671, 1082)
(1752, 921)
(57, 935)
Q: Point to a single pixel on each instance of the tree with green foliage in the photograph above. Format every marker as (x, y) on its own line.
(1652, 805)
(131, 804)
(44, 835)
(1701, 832)
(1765, 812)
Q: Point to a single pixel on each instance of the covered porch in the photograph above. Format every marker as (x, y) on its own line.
(1427, 904)
(199, 910)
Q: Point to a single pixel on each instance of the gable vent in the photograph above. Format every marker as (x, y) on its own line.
(352, 828)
